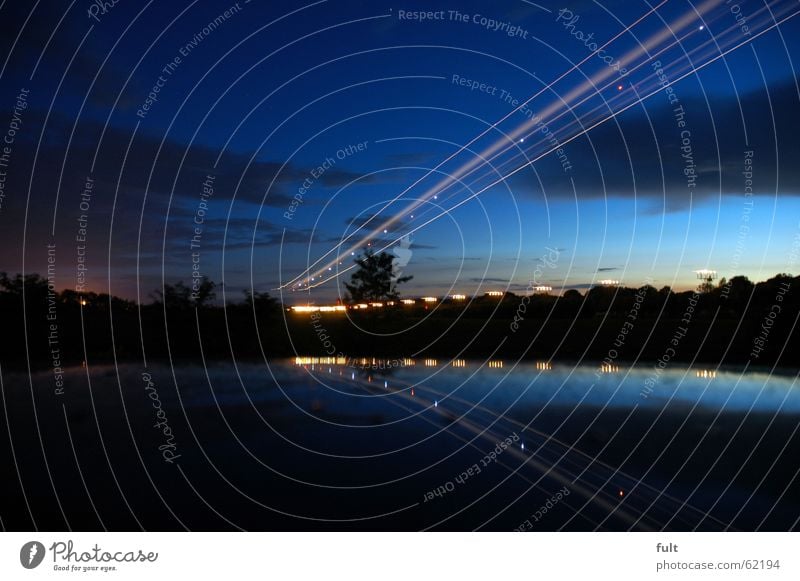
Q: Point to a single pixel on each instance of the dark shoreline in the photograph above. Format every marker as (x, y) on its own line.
(736, 324)
(783, 369)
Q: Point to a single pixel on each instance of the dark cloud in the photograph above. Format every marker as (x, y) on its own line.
(637, 161)
(144, 200)
(415, 159)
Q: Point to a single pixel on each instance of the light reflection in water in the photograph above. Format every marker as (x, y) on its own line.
(566, 385)
(609, 368)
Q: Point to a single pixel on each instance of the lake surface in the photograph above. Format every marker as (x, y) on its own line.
(334, 444)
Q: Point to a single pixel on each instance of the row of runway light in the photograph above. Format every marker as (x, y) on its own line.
(680, 35)
(379, 305)
(706, 275)
(537, 290)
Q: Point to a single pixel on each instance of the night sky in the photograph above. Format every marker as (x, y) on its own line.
(197, 124)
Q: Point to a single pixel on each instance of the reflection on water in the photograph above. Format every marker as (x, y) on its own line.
(320, 361)
(696, 448)
(505, 382)
(609, 368)
(383, 363)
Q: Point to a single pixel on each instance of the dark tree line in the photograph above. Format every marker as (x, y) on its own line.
(179, 321)
(182, 323)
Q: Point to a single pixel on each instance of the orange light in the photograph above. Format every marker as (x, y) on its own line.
(621, 493)
(608, 368)
(320, 360)
(317, 309)
(619, 87)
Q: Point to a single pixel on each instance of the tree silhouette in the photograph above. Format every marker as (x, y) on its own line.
(262, 304)
(375, 279)
(178, 296)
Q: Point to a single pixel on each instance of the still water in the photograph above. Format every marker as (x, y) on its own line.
(363, 444)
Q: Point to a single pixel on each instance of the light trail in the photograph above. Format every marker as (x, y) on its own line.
(711, 44)
(465, 146)
(581, 88)
(628, 58)
(661, 87)
(575, 122)
(579, 123)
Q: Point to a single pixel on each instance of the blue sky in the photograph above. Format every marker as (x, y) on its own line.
(275, 89)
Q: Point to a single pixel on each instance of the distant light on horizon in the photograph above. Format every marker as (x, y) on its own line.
(609, 368)
(320, 360)
(318, 308)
